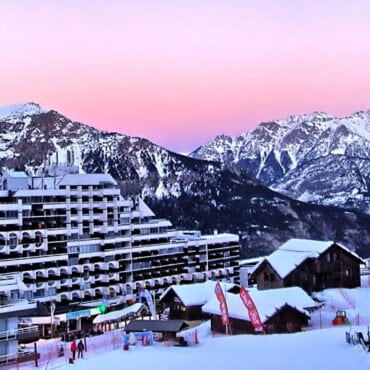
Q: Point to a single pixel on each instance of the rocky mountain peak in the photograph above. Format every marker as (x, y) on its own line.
(20, 111)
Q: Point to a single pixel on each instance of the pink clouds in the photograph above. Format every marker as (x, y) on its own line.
(179, 72)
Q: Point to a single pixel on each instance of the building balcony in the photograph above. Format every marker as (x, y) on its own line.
(30, 333)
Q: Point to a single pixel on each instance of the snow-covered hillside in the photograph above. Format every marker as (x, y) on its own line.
(314, 157)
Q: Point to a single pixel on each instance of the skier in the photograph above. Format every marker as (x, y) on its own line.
(81, 348)
(73, 349)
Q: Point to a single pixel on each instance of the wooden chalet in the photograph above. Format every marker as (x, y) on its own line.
(310, 264)
(281, 311)
(185, 301)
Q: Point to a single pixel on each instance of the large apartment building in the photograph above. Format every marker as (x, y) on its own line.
(72, 238)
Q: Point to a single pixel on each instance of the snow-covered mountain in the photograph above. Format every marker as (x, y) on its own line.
(30, 135)
(314, 157)
(191, 192)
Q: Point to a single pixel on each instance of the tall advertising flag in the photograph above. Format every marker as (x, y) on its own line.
(149, 301)
(223, 306)
(252, 310)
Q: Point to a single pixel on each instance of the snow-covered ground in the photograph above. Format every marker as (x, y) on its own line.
(320, 350)
(356, 303)
(313, 349)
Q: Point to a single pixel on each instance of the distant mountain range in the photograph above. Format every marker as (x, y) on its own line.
(225, 194)
(315, 158)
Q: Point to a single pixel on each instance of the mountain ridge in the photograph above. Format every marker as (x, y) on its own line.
(191, 192)
(283, 153)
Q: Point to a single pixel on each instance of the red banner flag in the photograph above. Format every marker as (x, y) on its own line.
(252, 310)
(223, 306)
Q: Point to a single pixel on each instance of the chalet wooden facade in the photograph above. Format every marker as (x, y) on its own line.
(179, 310)
(311, 265)
(282, 310)
(285, 320)
(185, 302)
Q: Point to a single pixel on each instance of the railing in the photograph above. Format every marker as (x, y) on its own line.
(11, 358)
(12, 334)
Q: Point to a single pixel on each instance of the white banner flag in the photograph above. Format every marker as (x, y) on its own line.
(149, 301)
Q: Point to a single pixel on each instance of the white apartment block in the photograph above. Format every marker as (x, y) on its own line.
(73, 239)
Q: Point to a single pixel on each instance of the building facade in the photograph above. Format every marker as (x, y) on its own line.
(73, 239)
(309, 264)
(11, 332)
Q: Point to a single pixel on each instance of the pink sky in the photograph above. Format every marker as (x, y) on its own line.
(180, 72)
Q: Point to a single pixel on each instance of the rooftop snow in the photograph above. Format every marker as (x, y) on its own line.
(146, 211)
(87, 179)
(119, 314)
(292, 253)
(266, 301)
(196, 294)
(16, 174)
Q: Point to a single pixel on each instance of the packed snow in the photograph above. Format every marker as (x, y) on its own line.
(321, 350)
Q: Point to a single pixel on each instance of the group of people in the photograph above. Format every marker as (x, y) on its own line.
(80, 347)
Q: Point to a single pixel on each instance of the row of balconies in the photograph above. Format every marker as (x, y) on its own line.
(70, 282)
(75, 271)
(104, 288)
(24, 247)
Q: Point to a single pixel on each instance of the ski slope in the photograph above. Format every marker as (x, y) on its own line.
(319, 349)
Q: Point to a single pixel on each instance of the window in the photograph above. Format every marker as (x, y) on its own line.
(89, 248)
(38, 238)
(52, 292)
(3, 325)
(27, 294)
(3, 348)
(12, 240)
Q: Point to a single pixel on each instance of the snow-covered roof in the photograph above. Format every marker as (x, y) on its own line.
(266, 301)
(87, 179)
(196, 294)
(294, 252)
(16, 174)
(250, 261)
(119, 314)
(144, 209)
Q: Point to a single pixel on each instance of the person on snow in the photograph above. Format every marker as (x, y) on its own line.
(73, 349)
(81, 348)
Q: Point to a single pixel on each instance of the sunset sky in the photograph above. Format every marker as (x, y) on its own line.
(180, 72)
